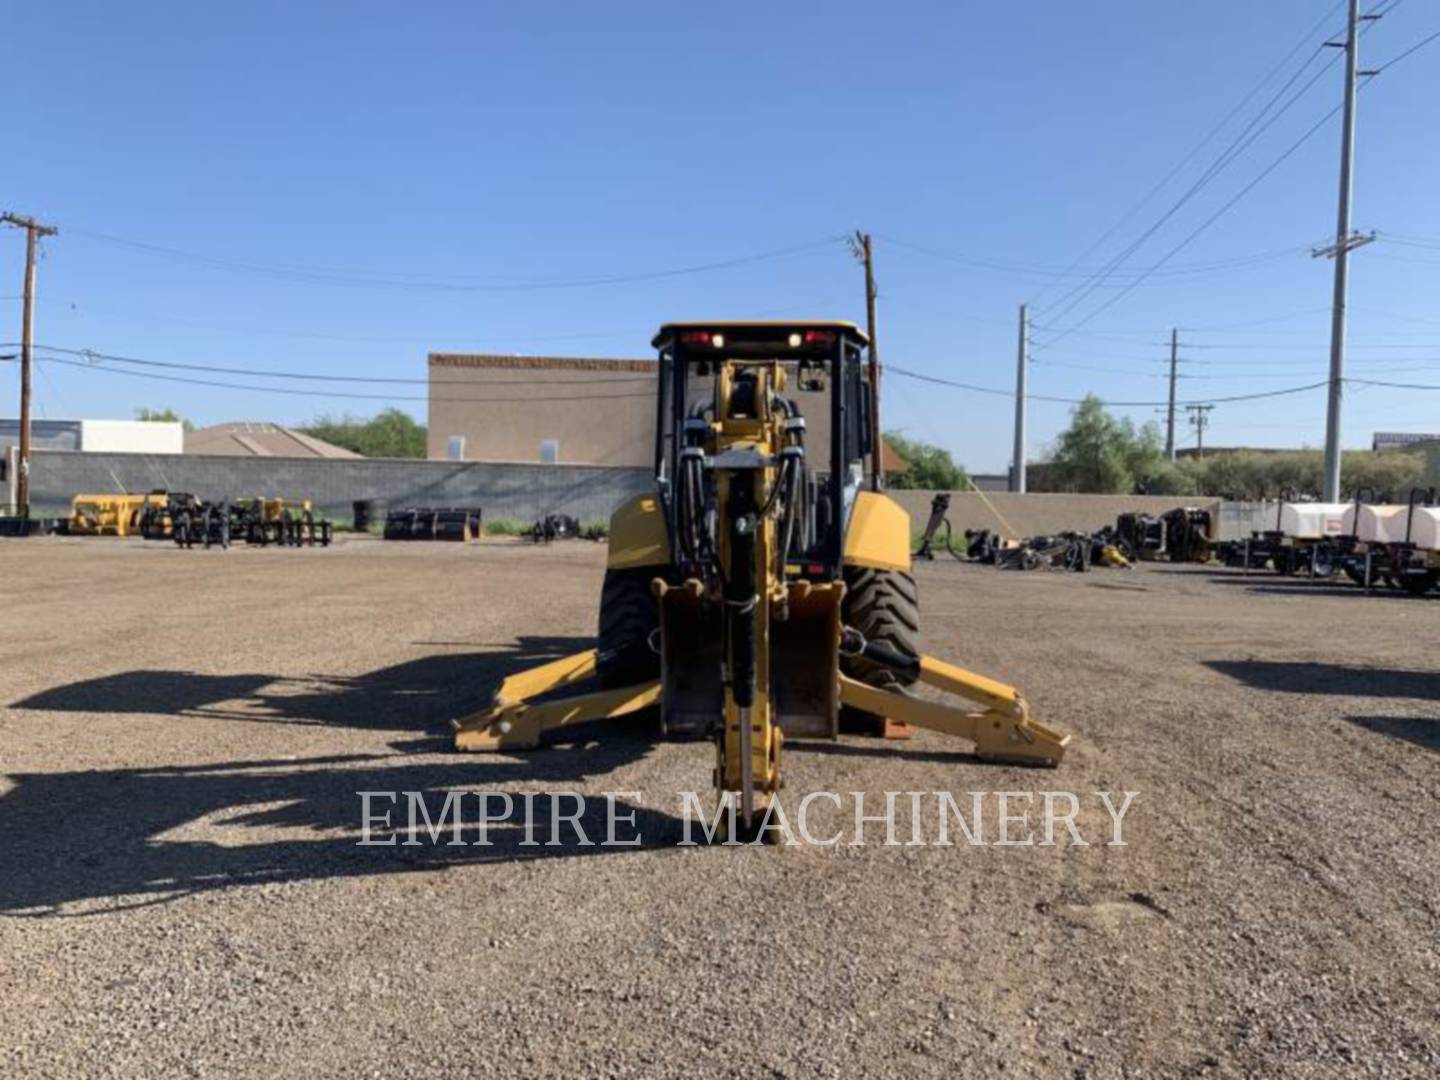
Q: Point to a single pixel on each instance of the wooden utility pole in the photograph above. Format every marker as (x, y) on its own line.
(33, 231)
(862, 249)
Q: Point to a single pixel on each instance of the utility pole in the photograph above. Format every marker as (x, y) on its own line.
(1170, 415)
(1199, 420)
(1344, 241)
(1022, 361)
(860, 246)
(33, 231)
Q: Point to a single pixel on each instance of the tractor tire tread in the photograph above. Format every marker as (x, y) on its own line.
(628, 616)
(884, 605)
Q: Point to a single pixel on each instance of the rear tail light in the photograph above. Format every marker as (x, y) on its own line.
(702, 337)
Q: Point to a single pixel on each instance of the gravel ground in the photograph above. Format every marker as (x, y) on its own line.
(183, 735)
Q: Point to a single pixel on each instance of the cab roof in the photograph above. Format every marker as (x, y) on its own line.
(839, 326)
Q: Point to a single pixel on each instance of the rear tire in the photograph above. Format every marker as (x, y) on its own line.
(629, 615)
(1418, 584)
(884, 605)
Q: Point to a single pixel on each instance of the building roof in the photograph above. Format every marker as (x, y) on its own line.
(251, 439)
(549, 363)
(1389, 440)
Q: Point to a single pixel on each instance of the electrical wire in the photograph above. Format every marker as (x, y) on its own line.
(448, 283)
(1204, 142)
(1408, 52)
(1252, 131)
(906, 373)
(1253, 183)
(1238, 262)
(99, 357)
(1225, 208)
(290, 391)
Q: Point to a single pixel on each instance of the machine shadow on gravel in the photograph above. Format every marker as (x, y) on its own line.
(1350, 680)
(422, 694)
(150, 835)
(1422, 731)
(147, 835)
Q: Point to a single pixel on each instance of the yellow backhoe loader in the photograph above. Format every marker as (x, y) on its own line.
(760, 588)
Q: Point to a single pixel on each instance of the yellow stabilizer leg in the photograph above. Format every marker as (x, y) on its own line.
(513, 723)
(1002, 732)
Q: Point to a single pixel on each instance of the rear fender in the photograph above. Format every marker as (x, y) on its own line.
(637, 535)
(878, 536)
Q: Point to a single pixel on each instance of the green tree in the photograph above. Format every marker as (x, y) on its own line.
(163, 416)
(931, 467)
(392, 433)
(1098, 454)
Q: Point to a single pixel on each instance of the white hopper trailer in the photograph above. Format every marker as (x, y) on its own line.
(1382, 524)
(1308, 536)
(1316, 521)
(1401, 543)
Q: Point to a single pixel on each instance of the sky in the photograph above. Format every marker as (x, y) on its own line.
(337, 189)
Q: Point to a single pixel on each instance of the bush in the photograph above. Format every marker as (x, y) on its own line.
(1256, 475)
(393, 433)
(931, 467)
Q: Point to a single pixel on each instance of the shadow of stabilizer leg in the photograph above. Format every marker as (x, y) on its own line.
(515, 722)
(1002, 731)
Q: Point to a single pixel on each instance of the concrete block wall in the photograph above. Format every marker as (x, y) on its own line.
(524, 492)
(1041, 513)
(510, 491)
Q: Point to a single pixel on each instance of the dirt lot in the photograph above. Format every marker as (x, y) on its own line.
(183, 736)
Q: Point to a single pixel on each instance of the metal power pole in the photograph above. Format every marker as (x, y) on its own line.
(861, 246)
(33, 231)
(1022, 361)
(1170, 415)
(1342, 263)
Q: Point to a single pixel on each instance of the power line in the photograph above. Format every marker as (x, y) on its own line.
(1144, 201)
(289, 391)
(1242, 142)
(445, 282)
(1077, 401)
(1225, 208)
(91, 354)
(1413, 49)
(1216, 266)
(1370, 21)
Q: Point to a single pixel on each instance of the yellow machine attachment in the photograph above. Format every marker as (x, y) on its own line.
(750, 620)
(109, 515)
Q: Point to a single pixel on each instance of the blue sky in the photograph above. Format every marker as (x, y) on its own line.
(339, 188)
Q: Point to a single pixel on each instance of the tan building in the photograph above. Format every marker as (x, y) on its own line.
(559, 410)
(541, 408)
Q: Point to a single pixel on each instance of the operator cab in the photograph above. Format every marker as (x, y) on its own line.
(825, 402)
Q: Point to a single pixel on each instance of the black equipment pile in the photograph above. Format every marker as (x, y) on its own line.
(452, 523)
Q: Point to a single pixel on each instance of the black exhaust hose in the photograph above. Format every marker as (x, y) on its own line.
(740, 589)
